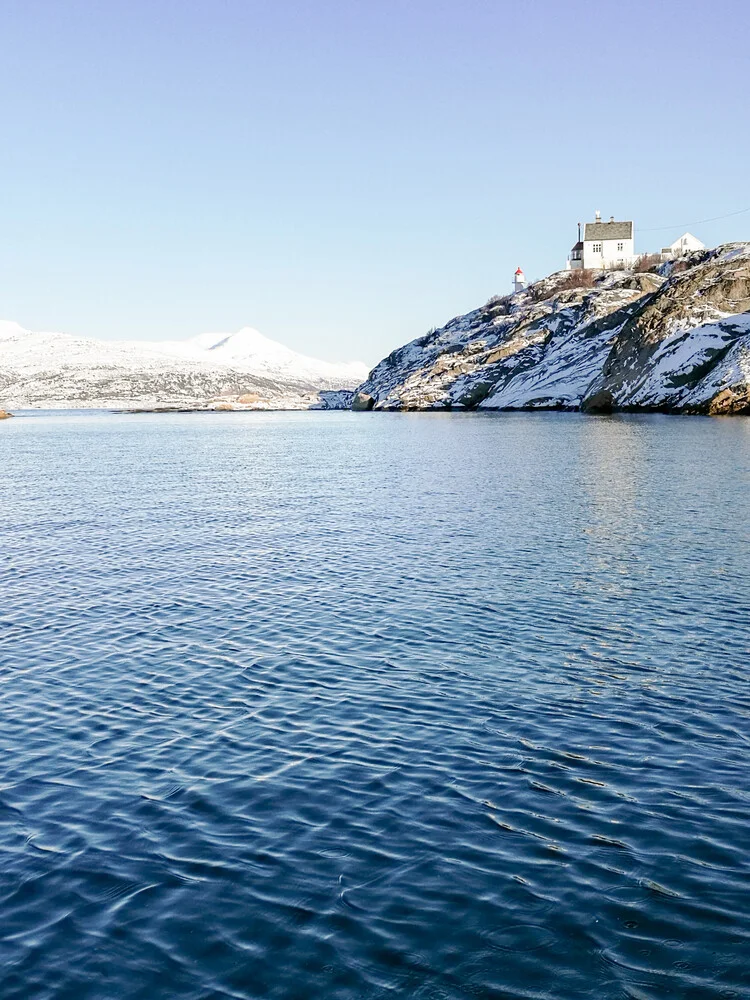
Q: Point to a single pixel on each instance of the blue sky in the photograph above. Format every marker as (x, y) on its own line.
(345, 175)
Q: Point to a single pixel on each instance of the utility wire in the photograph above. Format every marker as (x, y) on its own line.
(700, 222)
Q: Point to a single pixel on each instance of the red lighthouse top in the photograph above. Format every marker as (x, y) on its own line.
(519, 271)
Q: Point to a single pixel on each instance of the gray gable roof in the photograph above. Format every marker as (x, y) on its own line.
(608, 231)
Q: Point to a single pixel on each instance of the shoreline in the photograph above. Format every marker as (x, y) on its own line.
(30, 411)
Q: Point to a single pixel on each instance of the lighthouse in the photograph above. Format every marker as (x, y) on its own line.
(519, 280)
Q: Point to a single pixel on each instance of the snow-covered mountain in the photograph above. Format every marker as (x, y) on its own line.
(248, 350)
(60, 370)
(675, 339)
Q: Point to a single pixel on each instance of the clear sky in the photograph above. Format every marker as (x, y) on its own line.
(345, 174)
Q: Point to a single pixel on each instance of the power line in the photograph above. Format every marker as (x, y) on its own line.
(700, 222)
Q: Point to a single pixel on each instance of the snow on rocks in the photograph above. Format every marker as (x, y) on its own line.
(676, 340)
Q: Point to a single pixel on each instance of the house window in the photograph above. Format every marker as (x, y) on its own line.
(620, 247)
(596, 248)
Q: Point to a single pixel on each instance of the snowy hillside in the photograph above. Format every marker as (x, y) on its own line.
(248, 350)
(676, 339)
(59, 370)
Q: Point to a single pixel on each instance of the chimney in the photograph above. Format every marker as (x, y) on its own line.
(611, 218)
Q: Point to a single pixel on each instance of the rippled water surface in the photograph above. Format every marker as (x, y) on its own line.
(374, 705)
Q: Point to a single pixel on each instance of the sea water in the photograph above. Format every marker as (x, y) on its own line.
(338, 705)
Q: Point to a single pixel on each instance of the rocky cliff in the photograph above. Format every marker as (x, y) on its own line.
(676, 339)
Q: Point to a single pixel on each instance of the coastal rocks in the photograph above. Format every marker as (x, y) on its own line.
(690, 343)
(273, 401)
(537, 349)
(4, 414)
(362, 401)
(341, 399)
(675, 340)
(246, 402)
(730, 402)
(598, 402)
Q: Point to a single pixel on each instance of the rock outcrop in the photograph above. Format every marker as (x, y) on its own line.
(676, 340)
(362, 401)
(4, 414)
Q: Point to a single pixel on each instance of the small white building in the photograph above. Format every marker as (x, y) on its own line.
(604, 244)
(684, 245)
(519, 280)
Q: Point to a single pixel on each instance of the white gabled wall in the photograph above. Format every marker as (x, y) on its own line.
(686, 244)
(606, 253)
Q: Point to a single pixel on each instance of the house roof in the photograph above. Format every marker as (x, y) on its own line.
(608, 231)
(578, 246)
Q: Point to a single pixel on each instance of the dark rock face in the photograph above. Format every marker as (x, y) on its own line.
(362, 401)
(599, 402)
(677, 341)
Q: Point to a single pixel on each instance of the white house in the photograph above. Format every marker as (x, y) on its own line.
(685, 244)
(604, 244)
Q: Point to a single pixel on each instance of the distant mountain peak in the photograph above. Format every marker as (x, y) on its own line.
(250, 350)
(44, 368)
